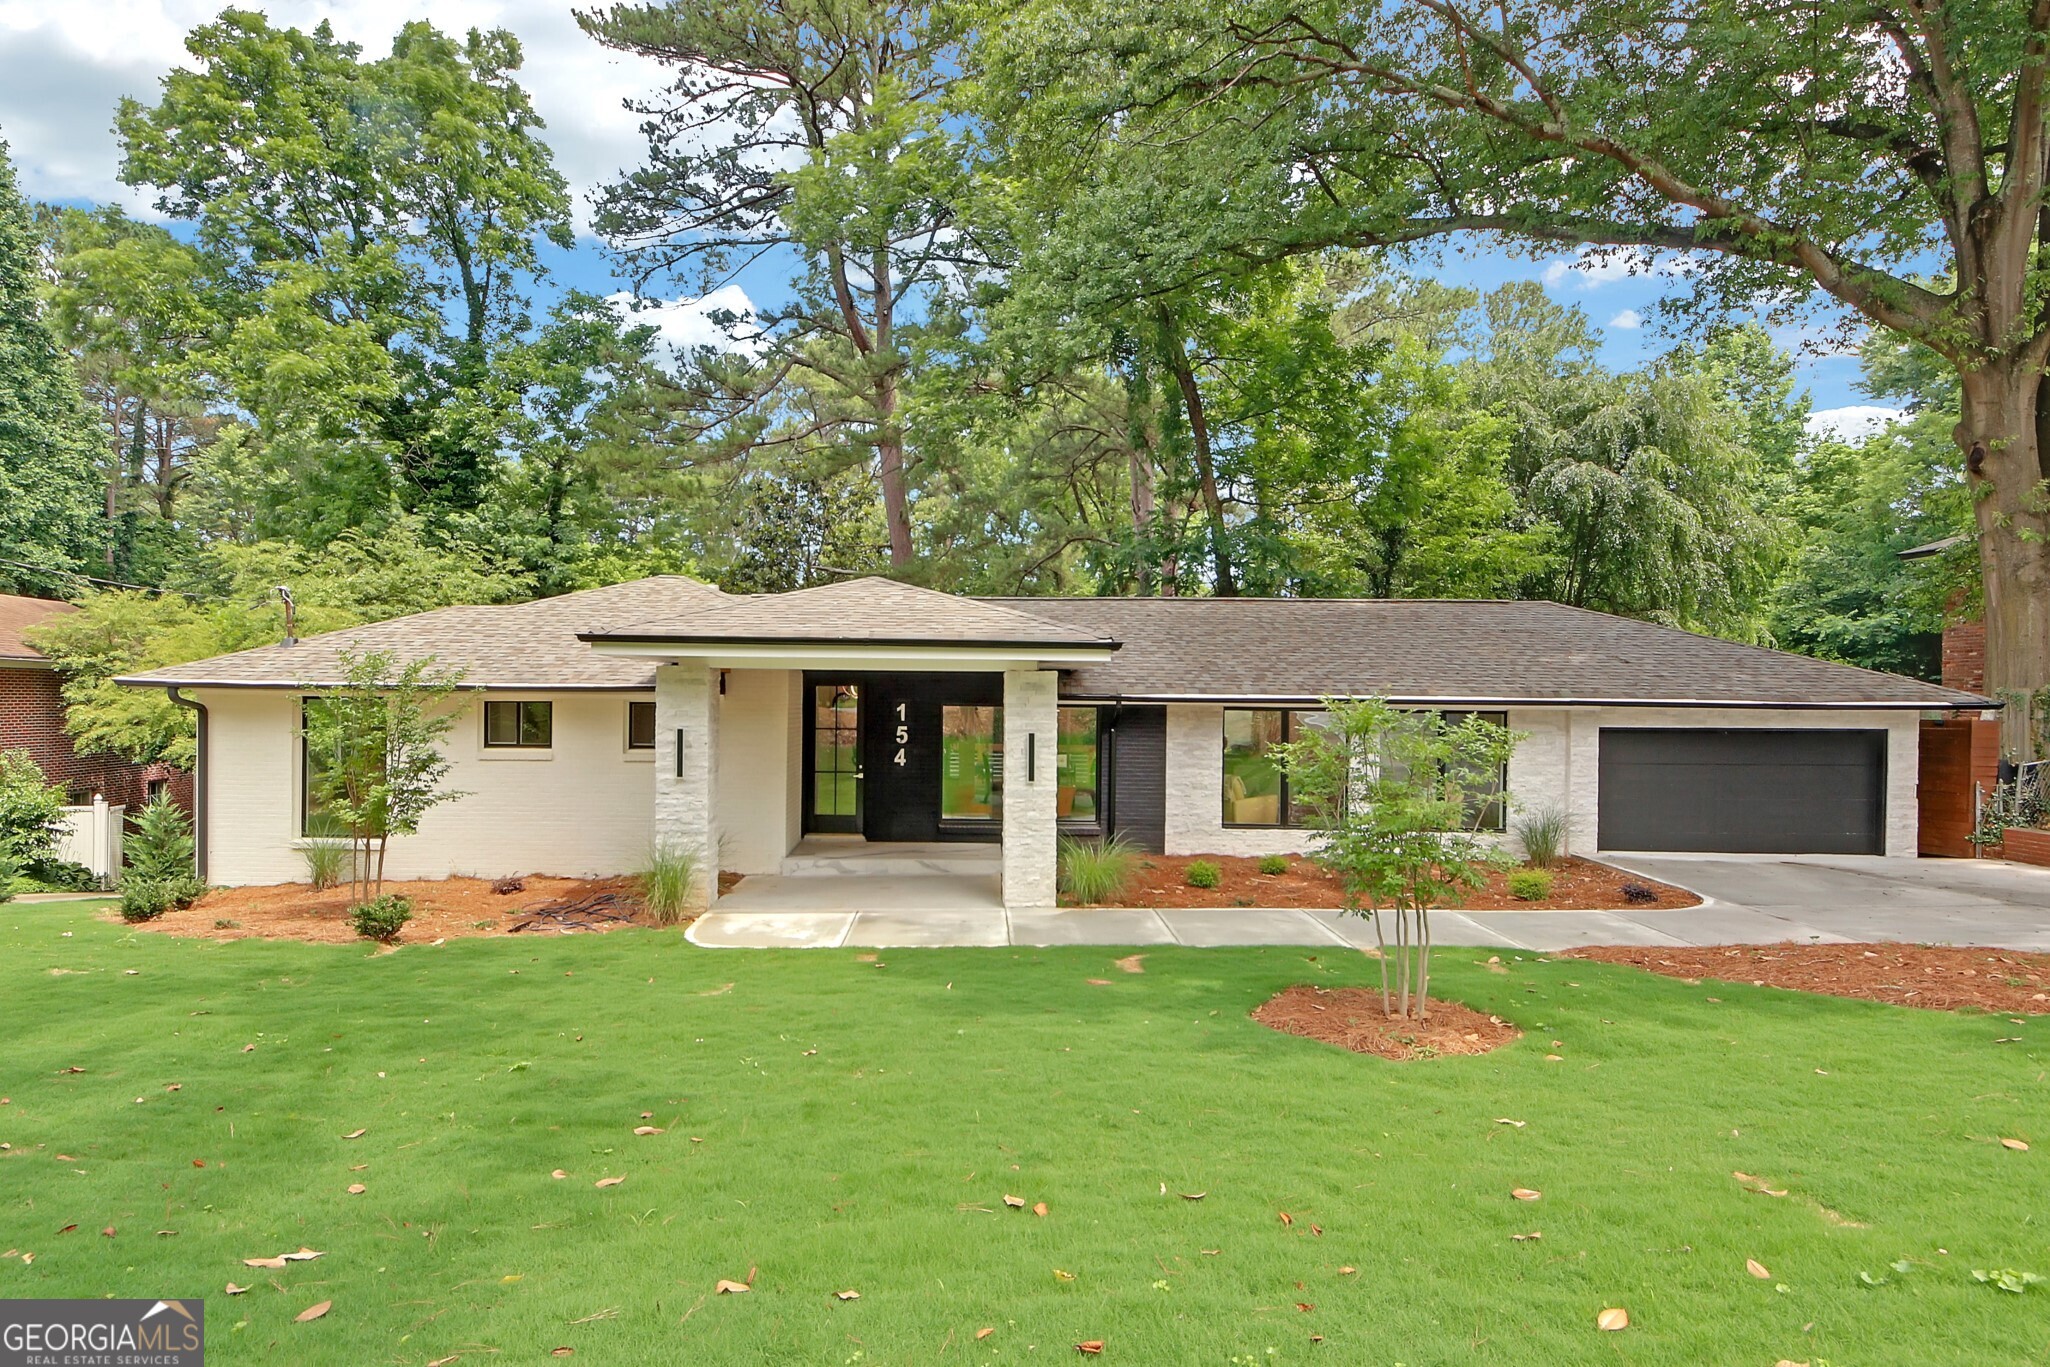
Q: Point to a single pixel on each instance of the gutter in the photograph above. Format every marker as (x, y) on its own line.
(1422, 700)
(198, 779)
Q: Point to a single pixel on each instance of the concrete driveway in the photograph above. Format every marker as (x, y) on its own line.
(1759, 899)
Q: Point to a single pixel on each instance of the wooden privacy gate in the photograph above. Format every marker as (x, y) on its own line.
(1955, 754)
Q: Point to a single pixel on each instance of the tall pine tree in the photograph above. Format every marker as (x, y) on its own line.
(49, 493)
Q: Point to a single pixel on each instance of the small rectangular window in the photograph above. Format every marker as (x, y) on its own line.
(640, 726)
(519, 725)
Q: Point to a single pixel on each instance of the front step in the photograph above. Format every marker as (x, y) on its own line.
(911, 860)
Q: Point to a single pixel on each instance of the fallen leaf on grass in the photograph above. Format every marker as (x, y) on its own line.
(562, 1352)
(1525, 1194)
(1194, 1195)
(1039, 1209)
(74, 1068)
(199, 1162)
(234, 1290)
(1529, 1238)
(1304, 1306)
(1014, 1202)
(985, 1331)
(2021, 1145)
(1097, 982)
(248, 1048)
(1131, 963)
(731, 1288)
(444, 1362)
(608, 1181)
(846, 1295)
(558, 1174)
(1347, 1271)
(355, 1134)
(263, 1262)
(66, 1158)
(1505, 1120)
(1062, 1276)
(304, 1255)
(313, 1312)
(108, 1232)
(174, 1086)
(1611, 1320)
(67, 1229)
(717, 991)
(1757, 1269)
(1089, 1347)
(1286, 1218)
(647, 1129)
(357, 1189)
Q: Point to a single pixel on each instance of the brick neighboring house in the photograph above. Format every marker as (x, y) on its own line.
(32, 719)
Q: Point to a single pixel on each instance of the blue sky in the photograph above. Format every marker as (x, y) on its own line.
(64, 64)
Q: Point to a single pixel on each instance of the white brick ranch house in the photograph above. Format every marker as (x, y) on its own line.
(871, 715)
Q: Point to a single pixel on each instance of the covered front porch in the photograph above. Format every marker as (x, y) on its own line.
(862, 747)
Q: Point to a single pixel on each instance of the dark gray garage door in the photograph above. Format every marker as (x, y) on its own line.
(1743, 791)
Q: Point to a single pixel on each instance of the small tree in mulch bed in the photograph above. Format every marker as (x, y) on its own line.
(1398, 798)
(374, 760)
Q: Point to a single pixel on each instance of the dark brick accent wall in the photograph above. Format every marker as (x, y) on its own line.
(1964, 656)
(32, 719)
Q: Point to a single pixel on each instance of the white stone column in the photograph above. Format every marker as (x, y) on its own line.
(1031, 786)
(686, 768)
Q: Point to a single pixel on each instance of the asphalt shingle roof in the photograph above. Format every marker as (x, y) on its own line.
(17, 614)
(1284, 649)
(1419, 649)
(525, 645)
(868, 611)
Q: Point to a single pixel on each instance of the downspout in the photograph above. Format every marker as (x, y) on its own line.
(198, 780)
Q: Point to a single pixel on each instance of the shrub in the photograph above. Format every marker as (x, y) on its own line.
(145, 899)
(61, 875)
(1638, 893)
(1201, 873)
(159, 850)
(1530, 885)
(381, 918)
(1095, 871)
(1274, 863)
(7, 876)
(31, 814)
(667, 882)
(1542, 832)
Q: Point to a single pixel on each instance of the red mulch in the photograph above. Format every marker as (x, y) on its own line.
(1936, 977)
(1351, 1018)
(1577, 885)
(443, 909)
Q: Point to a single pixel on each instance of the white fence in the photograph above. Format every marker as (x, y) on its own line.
(92, 837)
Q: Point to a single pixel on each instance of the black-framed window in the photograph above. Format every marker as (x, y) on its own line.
(640, 726)
(1256, 791)
(519, 725)
(315, 822)
(1077, 761)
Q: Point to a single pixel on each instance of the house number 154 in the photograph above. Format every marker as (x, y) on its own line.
(903, 735)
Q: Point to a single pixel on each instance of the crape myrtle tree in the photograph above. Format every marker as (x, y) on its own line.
(375, 763)
(1890, 155)
(1398, 799)
(805, 131)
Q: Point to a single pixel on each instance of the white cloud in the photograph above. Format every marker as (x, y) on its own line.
(1852, 422)
(1628, 318)
(685, 324)
(1592, 269)
(63, 66)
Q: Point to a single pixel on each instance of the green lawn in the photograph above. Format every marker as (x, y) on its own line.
(834, 1124)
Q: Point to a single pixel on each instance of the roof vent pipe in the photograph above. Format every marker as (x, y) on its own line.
(291, 615)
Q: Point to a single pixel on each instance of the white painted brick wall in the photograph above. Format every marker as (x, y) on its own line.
(1031, 805)
(581, 810)
(1195, 791)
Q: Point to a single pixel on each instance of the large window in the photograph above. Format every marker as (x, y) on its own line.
(1256, 791)
(314, 821)
(971, 763)
(519, 725)
(1076, 763)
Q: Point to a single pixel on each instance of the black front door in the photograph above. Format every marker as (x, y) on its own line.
(835, 771)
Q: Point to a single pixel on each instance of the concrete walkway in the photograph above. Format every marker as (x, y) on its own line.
(1749, 900)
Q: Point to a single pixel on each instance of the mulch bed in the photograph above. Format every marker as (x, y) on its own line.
(1351, 1018)
(1577, 884)
(443, 909)
(1936, 977)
